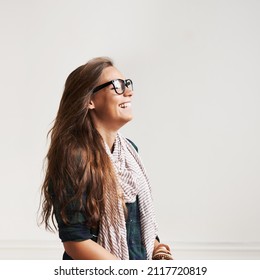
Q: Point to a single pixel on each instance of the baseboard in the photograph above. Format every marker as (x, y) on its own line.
(30, 250)
(216, 250)
(53, 250)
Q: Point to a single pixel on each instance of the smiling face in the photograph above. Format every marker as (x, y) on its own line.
(109, 110)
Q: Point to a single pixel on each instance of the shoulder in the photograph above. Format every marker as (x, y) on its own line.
(133, 144)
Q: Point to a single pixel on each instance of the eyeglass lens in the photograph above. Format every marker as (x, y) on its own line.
(120, 85)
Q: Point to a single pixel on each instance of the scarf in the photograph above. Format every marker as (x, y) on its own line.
(133, 181)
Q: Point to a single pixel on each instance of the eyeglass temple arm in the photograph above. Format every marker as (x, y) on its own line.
(101, 86)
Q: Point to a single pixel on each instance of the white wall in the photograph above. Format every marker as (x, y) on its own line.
(195, 67)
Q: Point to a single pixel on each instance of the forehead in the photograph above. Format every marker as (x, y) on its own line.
(111, 73)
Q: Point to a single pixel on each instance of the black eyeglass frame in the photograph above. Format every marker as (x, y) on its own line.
(125, 82)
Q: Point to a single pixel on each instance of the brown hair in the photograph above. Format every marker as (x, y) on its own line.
(77, 163)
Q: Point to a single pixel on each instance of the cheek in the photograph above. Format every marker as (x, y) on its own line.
(107, 105)
(109, 109)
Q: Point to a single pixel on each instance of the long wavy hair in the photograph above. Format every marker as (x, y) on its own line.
(78, 167)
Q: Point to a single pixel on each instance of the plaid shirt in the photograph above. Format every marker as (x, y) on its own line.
(78, 231)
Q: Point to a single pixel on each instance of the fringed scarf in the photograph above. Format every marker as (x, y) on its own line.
(133, 181)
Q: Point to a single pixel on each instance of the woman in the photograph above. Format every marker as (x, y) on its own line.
(95, 184)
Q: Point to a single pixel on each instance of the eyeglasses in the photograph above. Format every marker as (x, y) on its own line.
(119, 85)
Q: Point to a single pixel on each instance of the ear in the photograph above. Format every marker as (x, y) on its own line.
(91, 105)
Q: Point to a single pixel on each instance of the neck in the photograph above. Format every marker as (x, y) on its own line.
(108, 136)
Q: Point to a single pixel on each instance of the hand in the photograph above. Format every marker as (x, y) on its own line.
(162, 252)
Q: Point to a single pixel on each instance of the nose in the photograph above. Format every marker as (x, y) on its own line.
(128, 92)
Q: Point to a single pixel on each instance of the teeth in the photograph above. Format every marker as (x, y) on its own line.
(124, 105)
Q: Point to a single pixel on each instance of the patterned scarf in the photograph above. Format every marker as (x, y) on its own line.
(133, 181)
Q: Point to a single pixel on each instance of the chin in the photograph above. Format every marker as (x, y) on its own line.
(126, 120)
(129, 118)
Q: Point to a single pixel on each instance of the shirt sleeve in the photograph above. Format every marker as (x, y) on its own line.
(76, 229)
